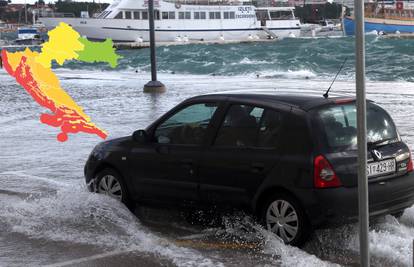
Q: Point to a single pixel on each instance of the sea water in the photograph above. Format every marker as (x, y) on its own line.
(47, 216)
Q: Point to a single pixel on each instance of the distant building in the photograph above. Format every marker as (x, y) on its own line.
(15, 13)
(43, 10)
(14, 8)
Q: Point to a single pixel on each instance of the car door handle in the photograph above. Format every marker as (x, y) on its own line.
(257, 167)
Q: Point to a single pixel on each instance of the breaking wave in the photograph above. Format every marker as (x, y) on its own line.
(386, 59)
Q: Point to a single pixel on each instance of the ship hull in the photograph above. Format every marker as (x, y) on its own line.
(379, 25)
(121, 30)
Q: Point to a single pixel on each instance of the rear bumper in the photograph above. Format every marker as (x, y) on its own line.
(340, 205)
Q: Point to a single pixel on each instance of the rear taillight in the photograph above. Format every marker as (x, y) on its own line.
(324, 175)
(410, 164)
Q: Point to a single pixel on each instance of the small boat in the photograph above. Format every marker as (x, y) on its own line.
(384, 18)
(28, 36)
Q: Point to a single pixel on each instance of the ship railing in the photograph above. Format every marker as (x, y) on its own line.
(51, 14)
(259, 3)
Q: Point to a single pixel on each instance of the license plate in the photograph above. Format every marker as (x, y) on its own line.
(381, 167)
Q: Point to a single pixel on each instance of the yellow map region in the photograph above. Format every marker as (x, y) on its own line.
(62, 45)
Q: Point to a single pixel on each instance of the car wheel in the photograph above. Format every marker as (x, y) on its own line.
(284, 216)
(109, 182)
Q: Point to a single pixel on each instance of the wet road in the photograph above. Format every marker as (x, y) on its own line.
(47, 217)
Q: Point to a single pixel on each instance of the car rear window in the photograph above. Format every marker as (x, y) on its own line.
(339, 125)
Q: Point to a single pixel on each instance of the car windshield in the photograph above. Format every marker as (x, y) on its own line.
(339, 123)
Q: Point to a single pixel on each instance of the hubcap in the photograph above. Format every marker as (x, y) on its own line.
(281, 219)
(110, 186)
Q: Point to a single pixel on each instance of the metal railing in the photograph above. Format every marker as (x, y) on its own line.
(207, 2)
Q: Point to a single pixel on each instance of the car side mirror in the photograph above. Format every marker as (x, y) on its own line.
(140, 136)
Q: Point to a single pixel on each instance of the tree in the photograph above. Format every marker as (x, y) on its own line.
(77, 7)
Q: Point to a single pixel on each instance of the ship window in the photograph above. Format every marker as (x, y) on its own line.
(228, 15)
(144, 14)
(184, 15)
(156, 15)
(168, 15)
(262, 14)
(128, 15)
(136, 15)
(279, 15)
(214, 15)
(119, 15)
(199, 15)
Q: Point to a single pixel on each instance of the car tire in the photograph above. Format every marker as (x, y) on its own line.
(290, 224)
(111, 183)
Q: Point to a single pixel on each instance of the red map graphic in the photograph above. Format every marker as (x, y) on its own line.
(68, 119)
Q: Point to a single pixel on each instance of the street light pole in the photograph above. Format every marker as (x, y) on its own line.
(361, 133)
(153, 86)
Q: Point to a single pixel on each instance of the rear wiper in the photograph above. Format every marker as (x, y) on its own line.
(380, 142)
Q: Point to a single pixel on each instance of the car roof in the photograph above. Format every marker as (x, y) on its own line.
(271, 97)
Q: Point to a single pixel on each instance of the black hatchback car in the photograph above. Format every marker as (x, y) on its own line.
(291, 160)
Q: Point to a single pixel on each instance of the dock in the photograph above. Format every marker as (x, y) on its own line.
(140, 45)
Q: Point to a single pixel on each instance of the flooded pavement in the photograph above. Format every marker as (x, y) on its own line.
(47, 216)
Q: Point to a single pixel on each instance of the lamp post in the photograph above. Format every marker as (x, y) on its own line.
(153, 86)
(361, 133)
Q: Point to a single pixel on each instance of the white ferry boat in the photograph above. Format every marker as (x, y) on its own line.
(202, 20)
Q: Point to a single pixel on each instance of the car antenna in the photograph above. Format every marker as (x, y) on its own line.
(326, 95)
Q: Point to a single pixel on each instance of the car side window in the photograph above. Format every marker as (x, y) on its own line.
(187, 126)
(270, 131)
(240, 126)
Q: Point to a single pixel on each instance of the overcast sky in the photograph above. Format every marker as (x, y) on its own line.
(48, 1)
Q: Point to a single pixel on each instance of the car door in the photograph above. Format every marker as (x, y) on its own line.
(166, 169)
(245, 151)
